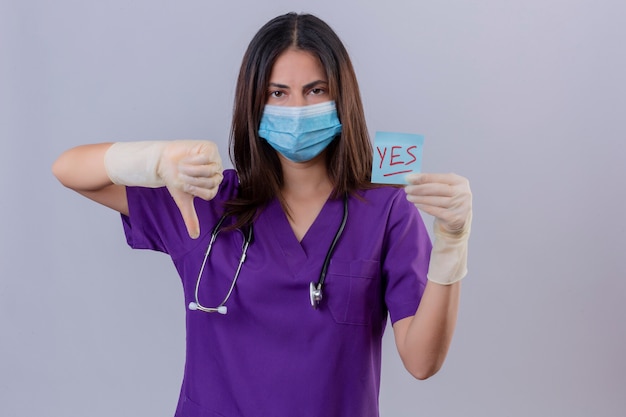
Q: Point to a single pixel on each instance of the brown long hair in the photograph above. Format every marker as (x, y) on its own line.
(348, 157)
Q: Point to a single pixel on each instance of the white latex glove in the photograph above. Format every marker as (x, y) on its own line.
(448, 198)
(188, 168)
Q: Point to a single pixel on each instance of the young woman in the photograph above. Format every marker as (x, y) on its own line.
(302, 255)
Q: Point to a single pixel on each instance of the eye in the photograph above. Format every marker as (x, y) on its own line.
(276, 94)
(317, 91)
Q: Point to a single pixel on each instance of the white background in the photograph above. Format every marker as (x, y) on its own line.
(525, 98)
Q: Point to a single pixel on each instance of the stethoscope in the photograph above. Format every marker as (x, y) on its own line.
(315, 289)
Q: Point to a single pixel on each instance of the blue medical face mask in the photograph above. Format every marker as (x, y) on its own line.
(300, 133)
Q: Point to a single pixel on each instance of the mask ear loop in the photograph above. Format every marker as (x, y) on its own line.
(315, 290)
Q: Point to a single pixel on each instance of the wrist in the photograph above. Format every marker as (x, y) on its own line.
(135, 163)
(448, 259)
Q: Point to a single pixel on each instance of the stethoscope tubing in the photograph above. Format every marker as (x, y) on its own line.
(315, 289)
(221, 308)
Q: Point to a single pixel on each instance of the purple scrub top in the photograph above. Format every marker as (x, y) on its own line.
(273, 354)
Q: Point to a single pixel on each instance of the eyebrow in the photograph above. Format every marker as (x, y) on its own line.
(313, 84)
(304, 87)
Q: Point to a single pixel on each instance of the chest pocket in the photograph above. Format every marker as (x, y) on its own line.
(352, 290)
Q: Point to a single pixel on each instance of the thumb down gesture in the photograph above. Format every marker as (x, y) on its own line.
(191, 169)
(188, 168)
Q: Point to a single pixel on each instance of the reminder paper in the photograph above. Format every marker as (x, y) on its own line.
(395, 156)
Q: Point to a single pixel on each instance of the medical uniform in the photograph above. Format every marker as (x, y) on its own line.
(273, 354)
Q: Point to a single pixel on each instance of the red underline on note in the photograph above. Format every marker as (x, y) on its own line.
(396, 173)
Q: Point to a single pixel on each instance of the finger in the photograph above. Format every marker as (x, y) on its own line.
(425, 178)
(435, 201)
(205, 188)
(203, 152)
(205, 170)
(204, 158)
(450, 220)
(204, 193)
(185, 205)
(430, 189)
(202, 182)
(438, 212)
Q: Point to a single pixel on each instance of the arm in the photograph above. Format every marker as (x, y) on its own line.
(423, 340)
(82, 170)
(187, 168)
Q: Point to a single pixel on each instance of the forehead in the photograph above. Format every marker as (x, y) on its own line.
(296, 65)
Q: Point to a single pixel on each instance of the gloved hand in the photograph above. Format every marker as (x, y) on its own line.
(448, 198)
(188, 168)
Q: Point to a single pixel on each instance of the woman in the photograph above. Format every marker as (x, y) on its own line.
(301, 254)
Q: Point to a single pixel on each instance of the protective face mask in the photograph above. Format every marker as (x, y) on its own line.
(300, 133)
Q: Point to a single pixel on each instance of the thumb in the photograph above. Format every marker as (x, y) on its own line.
(184, 202)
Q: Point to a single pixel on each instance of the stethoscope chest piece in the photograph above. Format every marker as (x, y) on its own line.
(315, 292)
(315, 289)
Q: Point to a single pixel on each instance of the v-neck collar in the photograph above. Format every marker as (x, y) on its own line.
(312, 249)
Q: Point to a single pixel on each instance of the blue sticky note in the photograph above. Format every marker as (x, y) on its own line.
(395, 156)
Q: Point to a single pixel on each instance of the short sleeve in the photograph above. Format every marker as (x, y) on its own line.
(155, 223)
(406, 259)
